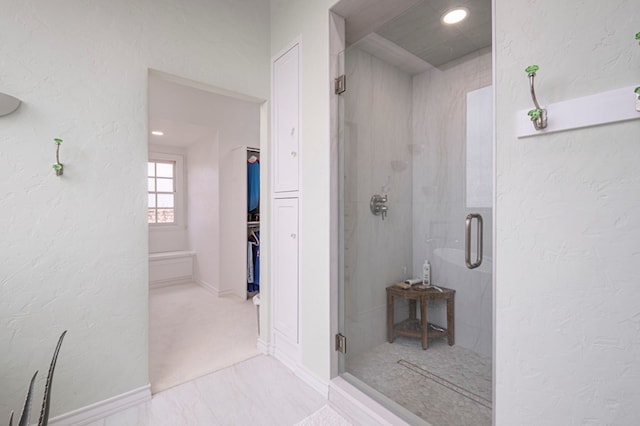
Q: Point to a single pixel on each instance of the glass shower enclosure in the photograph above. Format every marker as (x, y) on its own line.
(416, 188)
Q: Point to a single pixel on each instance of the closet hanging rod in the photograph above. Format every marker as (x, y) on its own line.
(253, 224)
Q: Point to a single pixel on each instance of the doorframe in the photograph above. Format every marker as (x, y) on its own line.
(337, 46)
(264, 335)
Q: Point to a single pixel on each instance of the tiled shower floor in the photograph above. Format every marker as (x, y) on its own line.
(444, 385)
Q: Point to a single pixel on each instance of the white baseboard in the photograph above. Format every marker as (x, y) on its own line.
(102, 409)
(264, 347)
(226, 293)
(312, 380)
(215, 290)
(209, 287)
(168, 283)
(288, 353)
(285, 351)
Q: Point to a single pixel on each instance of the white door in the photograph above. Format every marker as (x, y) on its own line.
(285, 264)
(286, 93)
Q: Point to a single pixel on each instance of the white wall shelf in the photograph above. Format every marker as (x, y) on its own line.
(603, 108)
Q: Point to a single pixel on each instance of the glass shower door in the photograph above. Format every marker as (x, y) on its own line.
(412, 170)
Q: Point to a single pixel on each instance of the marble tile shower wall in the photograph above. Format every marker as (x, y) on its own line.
(405, 137)
(439, 197)
(377, 160)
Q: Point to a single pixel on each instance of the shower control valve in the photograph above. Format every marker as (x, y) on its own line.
(378, 205)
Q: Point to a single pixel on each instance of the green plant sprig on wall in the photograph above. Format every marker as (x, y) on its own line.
(58, 167)
(531, 69)
(535, 113)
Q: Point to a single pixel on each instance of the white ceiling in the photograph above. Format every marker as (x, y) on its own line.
(188, 114)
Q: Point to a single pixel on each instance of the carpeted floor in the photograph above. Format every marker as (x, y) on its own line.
(193, 333)
(445, 385)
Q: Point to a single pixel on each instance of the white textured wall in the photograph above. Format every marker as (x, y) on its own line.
(206, 201)
(74, 248)
(241, 131)
(567, 311)
(310, 20)
(204, 210)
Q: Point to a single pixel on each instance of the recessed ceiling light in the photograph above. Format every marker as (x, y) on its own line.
(157, 133)
(456, 15)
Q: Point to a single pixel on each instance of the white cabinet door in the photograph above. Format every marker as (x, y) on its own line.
(285, 267)
(286, 102)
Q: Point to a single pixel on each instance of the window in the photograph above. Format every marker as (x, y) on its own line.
(167, 190)
(161, 183)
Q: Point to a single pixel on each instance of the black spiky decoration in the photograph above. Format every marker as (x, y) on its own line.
(44, 412)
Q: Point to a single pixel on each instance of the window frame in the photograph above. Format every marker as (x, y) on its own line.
(179, 211)
(156, 192)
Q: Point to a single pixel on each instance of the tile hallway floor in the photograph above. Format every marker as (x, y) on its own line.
(259, 391)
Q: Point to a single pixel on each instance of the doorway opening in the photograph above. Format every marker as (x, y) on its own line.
(203, 214)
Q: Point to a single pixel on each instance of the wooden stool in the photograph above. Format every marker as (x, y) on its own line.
(413, 327)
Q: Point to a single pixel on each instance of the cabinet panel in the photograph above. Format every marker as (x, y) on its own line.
(286, 111)
(285, 267)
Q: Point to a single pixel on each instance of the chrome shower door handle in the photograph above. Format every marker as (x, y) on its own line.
(467, 241)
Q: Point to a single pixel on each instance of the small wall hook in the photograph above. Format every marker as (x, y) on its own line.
(637, 92)
(58, 167)
(538, 115)
(638, 37)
